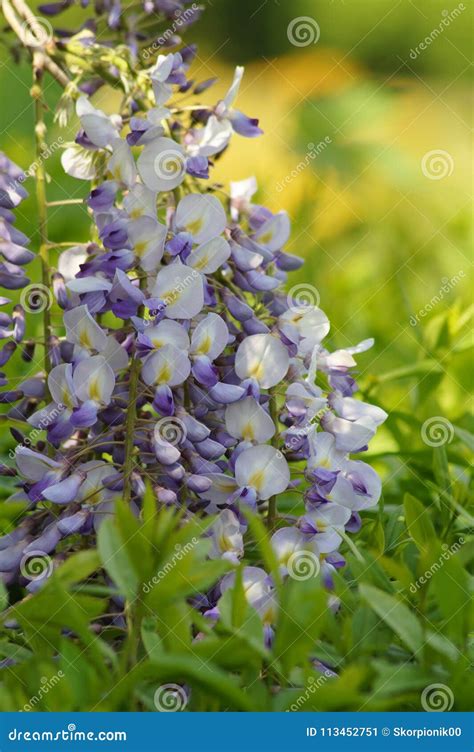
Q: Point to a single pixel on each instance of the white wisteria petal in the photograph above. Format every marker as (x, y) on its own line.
(82, 285)
(274, 233)
(98, 127)
(247, 420)
(209, 257)
(162, 164)
(323, 452)
(69, 262)
(202, 216)
(60, 385)
(210, 337)
(181, 289)
(226, 537)
(288, 541)
(162, 68)
(121, 164)
(311, 323)
(213, 138)
(168, 332)
(350, 436)
(263, 468)
(223, 486)
(353, 409)
(81, 329)
(262, 357)
(233, 90)
(366, 483)
(115, 355)
(168, 365)
(140, 201)
(148, 237)
(93, 379)
(79, 163)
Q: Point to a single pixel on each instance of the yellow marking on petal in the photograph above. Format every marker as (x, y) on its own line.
(266, 237)
(136, 213)
(194, 226)
(141, 247)
(84, 339)
(66, 398)
(201, 263)
(257, 479)
(257, 371)
(171, 296)
(248, 432)
(94, 390)
(164, 375)
(156, 342)
(224, 543)
(205, 346)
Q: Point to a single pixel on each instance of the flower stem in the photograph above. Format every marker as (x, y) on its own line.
(131, 416)
(40, 132)
(272, 502)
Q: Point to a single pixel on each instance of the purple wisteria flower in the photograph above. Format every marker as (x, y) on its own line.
(178, 358)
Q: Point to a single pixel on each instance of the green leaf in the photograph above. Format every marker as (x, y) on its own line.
(396, 614)
(418, 522)
(115, 559)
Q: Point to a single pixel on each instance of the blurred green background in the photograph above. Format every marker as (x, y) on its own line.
(384, 228)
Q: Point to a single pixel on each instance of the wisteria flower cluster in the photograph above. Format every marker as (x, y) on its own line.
(181, 362)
